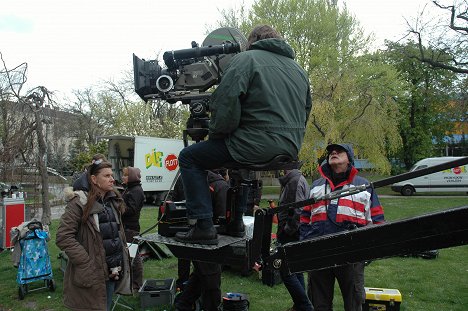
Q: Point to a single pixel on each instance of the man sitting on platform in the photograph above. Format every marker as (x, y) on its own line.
(259, 110)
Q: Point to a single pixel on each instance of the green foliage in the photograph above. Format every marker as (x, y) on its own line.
(414, 277)
(153, 118)
(352, 90)
(84, 157)
(424, 111)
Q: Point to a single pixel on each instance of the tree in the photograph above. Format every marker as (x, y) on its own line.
(136, 117)
(443, 39)
(425, 113)
(352, 90)
(31, 104)
(112, 108)
(36, 100)
(85, 156)
(15, 131)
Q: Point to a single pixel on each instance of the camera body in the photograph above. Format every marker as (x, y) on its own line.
(188, 72)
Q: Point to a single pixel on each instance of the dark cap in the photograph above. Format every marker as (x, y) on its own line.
(345, 147)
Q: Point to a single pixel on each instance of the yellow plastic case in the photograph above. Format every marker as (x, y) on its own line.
(382, 299)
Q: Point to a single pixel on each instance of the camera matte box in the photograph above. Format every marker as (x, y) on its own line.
(157, 292)
(382, 299)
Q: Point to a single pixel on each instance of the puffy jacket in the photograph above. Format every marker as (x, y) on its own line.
(134, 198)
(109, 229)
(325, 217)
(262, 104)
(84, 283)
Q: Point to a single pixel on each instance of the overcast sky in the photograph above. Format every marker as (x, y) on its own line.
(74, 44)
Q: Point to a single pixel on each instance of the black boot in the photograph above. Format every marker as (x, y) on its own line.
(195, 235)
(236, 228)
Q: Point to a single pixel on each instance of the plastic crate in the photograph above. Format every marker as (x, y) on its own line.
(382, 299)
(156, 293)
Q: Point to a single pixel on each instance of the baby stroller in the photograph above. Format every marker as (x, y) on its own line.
(34, 264)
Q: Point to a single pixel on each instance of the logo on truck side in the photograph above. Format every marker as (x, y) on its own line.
(153, 179)
(456, 170)
(154, 158)
(171, 162)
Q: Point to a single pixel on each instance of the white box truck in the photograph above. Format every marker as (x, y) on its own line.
(450, 180)
(157, 158)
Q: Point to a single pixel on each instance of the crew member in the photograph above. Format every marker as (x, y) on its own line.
(205, 280)
(134, 198)
(294, 188)
(346, 213)
(258, 111)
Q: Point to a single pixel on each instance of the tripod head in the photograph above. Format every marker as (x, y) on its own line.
(198, 121)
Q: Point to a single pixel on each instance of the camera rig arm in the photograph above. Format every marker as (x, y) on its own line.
(432, 231)
(377, 184)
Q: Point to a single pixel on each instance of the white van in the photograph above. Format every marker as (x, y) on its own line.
(450, 180)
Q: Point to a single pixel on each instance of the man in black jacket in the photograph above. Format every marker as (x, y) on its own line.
(294, 188)
(205, 280)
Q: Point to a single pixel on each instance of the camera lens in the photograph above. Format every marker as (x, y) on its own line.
(164, 83)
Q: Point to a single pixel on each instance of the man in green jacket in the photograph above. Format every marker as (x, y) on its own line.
(258, 111)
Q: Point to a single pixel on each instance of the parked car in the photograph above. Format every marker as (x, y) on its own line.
(6, 188)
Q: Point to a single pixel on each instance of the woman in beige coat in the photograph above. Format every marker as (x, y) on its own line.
(92, 236)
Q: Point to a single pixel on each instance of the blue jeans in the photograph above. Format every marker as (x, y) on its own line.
(110, 287)
(194, 160)
(295, 285)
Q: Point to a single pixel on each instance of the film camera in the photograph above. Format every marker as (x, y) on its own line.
(187, 76)
(189, 73)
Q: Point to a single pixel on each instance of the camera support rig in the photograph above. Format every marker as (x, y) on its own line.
(189, 74)
(432, 231)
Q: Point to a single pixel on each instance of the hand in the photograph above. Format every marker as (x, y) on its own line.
(115, 273)
(257, 267)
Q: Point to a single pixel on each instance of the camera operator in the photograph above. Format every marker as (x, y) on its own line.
(258, 111)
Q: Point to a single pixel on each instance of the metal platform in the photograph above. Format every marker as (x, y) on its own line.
(229, 250)
(223, 240)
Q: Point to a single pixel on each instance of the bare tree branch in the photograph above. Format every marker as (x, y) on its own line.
(443, 42)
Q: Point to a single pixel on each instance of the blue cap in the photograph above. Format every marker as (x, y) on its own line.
(345, 147)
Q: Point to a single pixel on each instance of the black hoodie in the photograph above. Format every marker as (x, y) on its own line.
(134, 198)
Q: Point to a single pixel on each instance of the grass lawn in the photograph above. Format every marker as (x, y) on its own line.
(437, 284)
